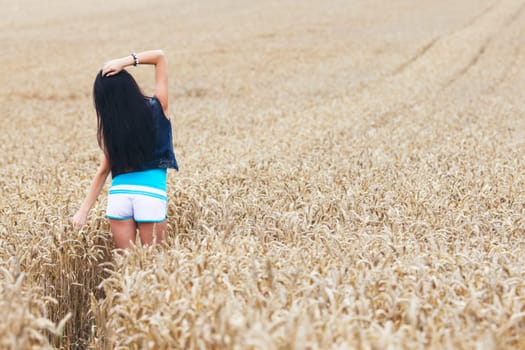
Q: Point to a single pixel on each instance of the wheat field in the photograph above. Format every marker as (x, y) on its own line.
(352, 176)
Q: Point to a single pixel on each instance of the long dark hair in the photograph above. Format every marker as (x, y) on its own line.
(125, 126)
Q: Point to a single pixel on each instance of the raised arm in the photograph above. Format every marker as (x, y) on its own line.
(154, 57)
(80, 218)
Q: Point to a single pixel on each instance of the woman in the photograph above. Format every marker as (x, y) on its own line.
(135, 136)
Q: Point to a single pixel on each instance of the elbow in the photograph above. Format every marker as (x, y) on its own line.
(103, 171)
(106, 172)
(161, 57)
(102, 175)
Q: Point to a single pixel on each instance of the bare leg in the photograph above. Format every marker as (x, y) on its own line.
(124, 232)
(146, 230)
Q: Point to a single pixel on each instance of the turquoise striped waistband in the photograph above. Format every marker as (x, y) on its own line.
(138, 190)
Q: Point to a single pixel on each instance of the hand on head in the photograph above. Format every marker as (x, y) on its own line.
(112, 67)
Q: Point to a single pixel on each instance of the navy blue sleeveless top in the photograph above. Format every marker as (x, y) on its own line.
(164, 156)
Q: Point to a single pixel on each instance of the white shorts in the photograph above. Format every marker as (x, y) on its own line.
(140, 203)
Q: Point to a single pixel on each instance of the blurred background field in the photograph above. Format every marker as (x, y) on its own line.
(352, 176)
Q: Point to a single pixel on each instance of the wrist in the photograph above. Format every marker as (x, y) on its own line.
(83, 210)
(126, 61)
(135, 59)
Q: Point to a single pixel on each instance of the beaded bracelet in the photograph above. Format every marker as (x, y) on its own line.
(135, 59)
